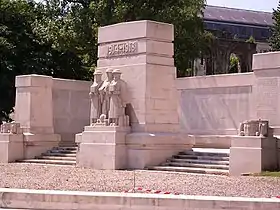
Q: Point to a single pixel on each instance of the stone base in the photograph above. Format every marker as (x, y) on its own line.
(102, 147)
(11, 147)
(149, 149)
(252, 155)
(36, 144)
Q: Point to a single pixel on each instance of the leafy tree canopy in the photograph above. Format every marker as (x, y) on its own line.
(275, 38)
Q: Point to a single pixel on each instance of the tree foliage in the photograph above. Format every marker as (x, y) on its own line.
(275, 29)
(59, 37)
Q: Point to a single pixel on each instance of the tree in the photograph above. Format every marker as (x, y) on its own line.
(275, 29)
(22, 51)
(251, 40)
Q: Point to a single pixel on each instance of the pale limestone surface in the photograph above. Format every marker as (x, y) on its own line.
(215, 105)
(266, 68)
(102, 147)
(34, 199)
(11, 147)
(252, 154)
(71, 107)
(34, 113)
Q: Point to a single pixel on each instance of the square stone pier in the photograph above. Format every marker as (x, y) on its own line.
(143, 51)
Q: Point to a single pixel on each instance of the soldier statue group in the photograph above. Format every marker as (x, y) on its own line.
(108, 99)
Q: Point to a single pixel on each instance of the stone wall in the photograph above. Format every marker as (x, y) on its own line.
(209, 105)
(46, 105)
(71, 107)
(59, 200)
(215, 105)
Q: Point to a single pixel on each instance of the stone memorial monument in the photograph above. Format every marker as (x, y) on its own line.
(102, 144)
(140, 82)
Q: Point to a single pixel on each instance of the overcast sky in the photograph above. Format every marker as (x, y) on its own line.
(259, 5)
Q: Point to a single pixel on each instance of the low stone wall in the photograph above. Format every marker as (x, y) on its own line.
(215, 105)
(71, 107)
(66, 200)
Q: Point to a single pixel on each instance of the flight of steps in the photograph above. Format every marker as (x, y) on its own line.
(198, 160)
(62, 155)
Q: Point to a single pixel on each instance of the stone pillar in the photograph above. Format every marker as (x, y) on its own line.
(34, 112)
(34, 109)
(143, 51)
(266, 67)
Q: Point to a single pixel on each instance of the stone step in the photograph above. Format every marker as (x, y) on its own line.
(56, 162)
(190, 170)
(44, 157)
(62, 151)
(59, 154)
(66, 148)
(67, 144)
(196, 165)
(201, 157)
(196, 153)
(204, 161)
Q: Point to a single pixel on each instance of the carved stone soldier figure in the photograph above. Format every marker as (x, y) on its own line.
(105, 93)
(95, 97)
(117, 90)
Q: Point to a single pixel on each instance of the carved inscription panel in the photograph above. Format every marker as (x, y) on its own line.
(123, 48)
(267, 99)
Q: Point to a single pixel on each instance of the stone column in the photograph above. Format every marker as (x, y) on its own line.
(143, 51)
(34, 112)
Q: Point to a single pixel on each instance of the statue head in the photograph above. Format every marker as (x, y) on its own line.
(109, 73)
(97, 75)
(117, 74)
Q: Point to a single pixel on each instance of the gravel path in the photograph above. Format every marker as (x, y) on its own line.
(28, 176)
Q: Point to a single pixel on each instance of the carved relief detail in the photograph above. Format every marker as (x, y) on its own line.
(121, 49)
(12, 128)
(254, 128)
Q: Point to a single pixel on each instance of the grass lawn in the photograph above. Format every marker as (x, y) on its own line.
(268, 173)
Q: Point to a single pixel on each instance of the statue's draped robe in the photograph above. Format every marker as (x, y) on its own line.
(105, 97)
(95, 110)
(117, 99)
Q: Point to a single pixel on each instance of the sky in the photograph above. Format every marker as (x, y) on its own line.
(259, 5)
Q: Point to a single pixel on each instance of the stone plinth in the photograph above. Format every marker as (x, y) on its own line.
(143, 51)
(102, 147)
(252, 154)
(11, 147)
